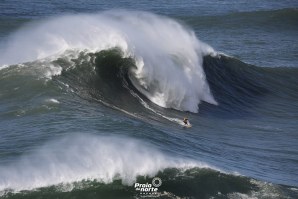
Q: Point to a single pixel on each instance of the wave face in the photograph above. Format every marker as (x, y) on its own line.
(168, 57)
(239, 86)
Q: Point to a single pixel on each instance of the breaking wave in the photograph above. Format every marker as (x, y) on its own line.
(167, 56)
(88, 157)
(108, 166)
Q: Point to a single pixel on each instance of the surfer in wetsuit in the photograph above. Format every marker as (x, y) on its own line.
(185, 120)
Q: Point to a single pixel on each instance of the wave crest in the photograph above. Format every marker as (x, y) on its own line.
(87, 157)
(168, 56)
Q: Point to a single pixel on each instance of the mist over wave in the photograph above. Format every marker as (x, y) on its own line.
(168, 56)
(88, 157)
(109, 166)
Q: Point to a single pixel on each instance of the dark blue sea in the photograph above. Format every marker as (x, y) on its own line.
(93, 94)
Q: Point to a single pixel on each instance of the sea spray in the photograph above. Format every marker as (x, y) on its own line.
(168, 56)
(85, 156)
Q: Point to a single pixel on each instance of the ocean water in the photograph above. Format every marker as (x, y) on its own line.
(93, 94)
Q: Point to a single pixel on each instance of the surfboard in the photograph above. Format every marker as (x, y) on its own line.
(188, 125)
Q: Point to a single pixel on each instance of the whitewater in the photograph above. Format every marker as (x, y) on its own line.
(88, 157)
(157, 44)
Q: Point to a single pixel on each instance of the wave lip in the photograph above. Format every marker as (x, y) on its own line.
(168, 56)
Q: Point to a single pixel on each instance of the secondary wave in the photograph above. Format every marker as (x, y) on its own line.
(88, 157)
(168, 57)
(107, 166)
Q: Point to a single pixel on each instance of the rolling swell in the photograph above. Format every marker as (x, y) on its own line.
(238, 86)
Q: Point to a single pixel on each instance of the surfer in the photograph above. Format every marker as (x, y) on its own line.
(185, 120)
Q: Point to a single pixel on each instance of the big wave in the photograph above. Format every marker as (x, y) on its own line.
(168, 57)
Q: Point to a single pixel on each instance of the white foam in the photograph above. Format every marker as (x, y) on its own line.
(3, 66)
(168, 56)
(53, 101)
(49, 71)
(85, 156)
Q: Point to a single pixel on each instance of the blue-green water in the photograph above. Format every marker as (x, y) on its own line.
(92, 97)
